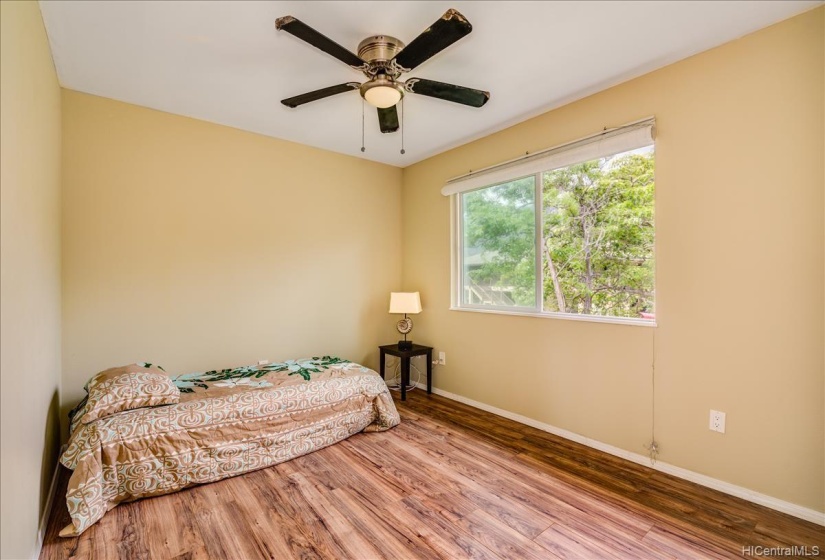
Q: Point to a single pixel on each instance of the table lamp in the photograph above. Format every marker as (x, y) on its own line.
(406, 303)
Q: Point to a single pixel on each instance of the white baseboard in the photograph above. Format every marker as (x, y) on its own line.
(726, 487)
(47, 510)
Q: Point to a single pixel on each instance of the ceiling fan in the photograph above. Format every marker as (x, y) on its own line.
(383, 59)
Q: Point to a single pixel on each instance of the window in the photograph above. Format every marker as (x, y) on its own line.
(498, 260)
(573, 238)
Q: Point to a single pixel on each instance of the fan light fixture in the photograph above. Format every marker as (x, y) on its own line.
(383, 59)
(382, 92)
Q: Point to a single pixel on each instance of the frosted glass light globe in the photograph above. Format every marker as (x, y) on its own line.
(382, 96)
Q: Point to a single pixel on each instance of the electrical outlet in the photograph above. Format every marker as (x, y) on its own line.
(442, 358)
(717, 421)
(263, 362)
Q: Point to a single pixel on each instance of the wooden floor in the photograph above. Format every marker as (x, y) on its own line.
(450, 482)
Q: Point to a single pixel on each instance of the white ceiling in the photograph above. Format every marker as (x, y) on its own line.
(224, 62)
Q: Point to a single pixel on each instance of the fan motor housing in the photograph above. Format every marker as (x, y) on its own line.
(379, 48)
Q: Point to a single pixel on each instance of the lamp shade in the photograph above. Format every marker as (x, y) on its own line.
(405, 302)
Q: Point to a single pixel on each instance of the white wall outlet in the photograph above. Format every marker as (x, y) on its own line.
(263, 362)
(442, 358)
(717, 421)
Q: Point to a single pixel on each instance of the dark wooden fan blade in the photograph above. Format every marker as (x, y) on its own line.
(318, 40)
(388, 119)
(451, 27)
(448, 92)
(319, 94)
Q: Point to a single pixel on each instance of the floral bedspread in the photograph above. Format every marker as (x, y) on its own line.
(227, 422)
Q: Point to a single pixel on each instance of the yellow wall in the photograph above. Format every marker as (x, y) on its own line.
(194, 245)
(739, 301)
(29, 274)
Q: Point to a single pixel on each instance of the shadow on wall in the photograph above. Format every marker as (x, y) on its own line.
(51, 450)
(63, 418)
(374, 328)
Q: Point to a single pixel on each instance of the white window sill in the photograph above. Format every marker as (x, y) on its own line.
(564, 316)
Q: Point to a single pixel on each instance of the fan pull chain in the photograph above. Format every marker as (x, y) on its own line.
(403, 151)
(363, 149)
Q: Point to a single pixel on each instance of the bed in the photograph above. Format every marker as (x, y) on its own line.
(154, 434)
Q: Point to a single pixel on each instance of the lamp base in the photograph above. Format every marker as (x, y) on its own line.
(405, 344)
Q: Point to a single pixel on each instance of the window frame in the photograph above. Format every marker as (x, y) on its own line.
(457, 262)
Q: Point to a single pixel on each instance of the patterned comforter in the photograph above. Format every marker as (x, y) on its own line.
(227, 422)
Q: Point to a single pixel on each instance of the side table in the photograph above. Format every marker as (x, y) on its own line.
(404, 356)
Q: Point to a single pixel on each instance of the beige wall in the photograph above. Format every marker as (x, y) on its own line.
(29, 274)
(739, 241)
(196, 246)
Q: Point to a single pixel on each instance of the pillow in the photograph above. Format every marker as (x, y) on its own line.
(126, 388)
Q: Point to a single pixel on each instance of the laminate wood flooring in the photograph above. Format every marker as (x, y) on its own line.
(450, 482)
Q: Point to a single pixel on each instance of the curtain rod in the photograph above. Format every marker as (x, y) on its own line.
(635, 124)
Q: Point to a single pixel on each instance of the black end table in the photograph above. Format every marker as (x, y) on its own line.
(404, 356)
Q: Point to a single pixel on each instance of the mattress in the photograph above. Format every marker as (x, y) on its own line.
(228, 422)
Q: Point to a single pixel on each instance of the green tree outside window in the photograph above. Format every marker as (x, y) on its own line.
(597, 242)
